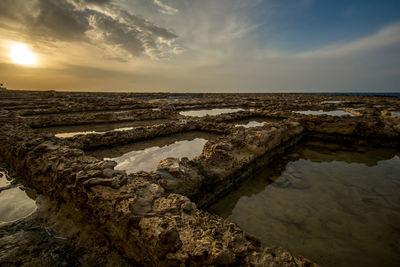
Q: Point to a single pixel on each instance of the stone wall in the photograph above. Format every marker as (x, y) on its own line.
(142, 220)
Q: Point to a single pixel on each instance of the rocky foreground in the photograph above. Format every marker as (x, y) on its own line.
(107, 217)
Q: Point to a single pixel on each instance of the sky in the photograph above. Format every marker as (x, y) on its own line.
(201, 45)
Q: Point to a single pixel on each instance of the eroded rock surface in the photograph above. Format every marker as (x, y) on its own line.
(151, 218)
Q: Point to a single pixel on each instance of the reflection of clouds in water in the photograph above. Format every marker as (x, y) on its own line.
(251, 124)
(148, 159)
(68, 135)
(72, 134)
(331, 101)
(99, 128)
(15, 204)
(211, 112)
(123, 129)
(3, 179)
(321, 112)
(330, 212)
(395, 113)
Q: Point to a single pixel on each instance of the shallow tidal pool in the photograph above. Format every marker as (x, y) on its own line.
(336, 205)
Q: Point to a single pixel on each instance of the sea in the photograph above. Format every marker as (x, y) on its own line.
(359, 94)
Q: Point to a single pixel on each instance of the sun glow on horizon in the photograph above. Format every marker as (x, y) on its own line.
(20, 54)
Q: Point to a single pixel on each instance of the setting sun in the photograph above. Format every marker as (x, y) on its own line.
(20, 54)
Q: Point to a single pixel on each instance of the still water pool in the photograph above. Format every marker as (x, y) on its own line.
(337, 112)
(15, 202)
(145, 155)
(210, 112)
(73, 130)
(395, 113)
(336, 205)
(332, 102)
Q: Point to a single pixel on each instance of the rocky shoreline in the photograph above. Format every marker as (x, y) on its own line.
(153, 219)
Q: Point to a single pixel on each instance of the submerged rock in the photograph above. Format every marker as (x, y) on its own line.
(170, 165)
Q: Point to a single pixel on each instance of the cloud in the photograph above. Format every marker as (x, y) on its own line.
(165, 9)
(367, 64)
(211, 45)
(388, 36)
(58, 20)
(211, 30)
(99, 22)
(100, 2)
(71, 77)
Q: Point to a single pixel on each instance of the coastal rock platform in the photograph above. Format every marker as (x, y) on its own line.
(158, 218)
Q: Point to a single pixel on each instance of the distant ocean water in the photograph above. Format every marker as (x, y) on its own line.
(361, 94)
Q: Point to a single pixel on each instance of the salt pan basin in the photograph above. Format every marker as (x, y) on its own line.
(145, 155)
(15, 203)
(338, 112)
(210, 112)
(74, 130)
(336, 205)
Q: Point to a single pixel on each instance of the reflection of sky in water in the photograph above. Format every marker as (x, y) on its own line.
(336, 213)
(148, 159)
(395, 113)
(321, 112)
(123, 129)
(252, 121)
(3, 180)
(73, 130)
(15, 204)
(211, 112)
(332, 101)
(251, 124)
(67, 135)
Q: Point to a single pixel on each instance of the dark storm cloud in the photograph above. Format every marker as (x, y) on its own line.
(71, 20)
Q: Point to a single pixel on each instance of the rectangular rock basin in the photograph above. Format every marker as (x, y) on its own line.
(395, 113)
(145, 155)
(253, 122)
(332, 102)
(337, 112)
(15, 202)
(336, 205)
(71, 131)
(210, 112)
